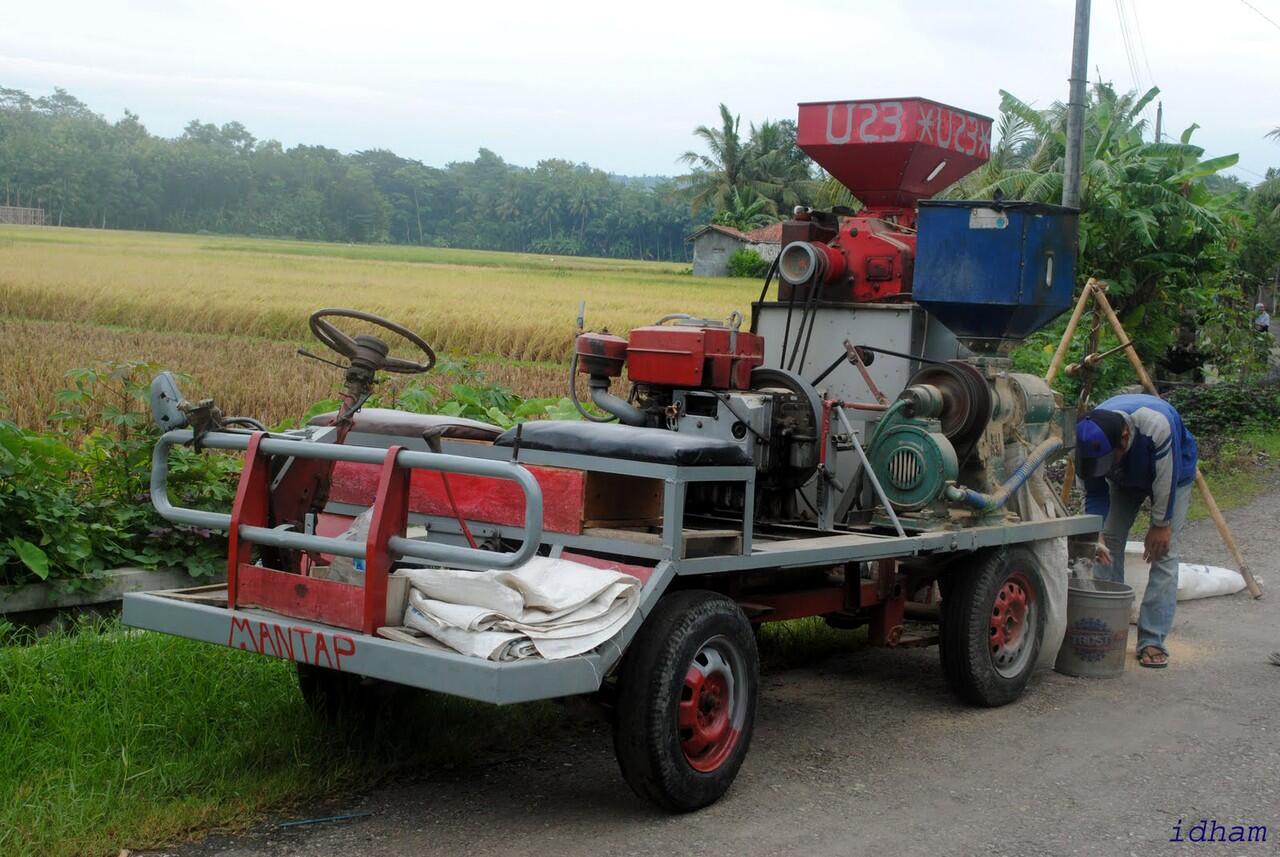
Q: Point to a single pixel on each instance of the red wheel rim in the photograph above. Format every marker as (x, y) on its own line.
(712, 706)
(1012, 628)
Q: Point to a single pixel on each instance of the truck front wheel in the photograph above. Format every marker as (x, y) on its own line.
(687, 700)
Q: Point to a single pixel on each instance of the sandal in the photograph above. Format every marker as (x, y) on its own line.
(1153, 658)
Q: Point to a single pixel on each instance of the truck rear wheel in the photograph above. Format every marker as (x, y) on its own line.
(993, 618)
(686, 701)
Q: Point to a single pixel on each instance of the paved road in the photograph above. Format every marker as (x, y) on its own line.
(866, 752)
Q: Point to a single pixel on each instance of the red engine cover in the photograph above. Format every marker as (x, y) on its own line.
(867, 260)
(684, 356)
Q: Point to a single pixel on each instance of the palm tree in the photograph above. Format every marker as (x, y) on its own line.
(718, 173)
(779, 170)
(768, 164)
(747, 210)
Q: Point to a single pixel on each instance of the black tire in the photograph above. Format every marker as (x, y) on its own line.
(992, 625)
(345, 699)
(678, 766)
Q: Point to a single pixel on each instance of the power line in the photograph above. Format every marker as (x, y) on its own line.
(1128, 35)
(1142, 43)
(1261, 14)
(1128, 44)
(1142, 46)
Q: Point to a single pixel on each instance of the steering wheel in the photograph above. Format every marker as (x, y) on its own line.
(328, 334)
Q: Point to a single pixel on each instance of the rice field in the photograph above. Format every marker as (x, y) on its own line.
(245, 375)
(232, 311)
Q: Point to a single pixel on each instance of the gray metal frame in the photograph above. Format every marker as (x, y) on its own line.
(521, 681)
(406, 663)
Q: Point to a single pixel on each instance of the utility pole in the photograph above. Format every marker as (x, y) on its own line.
(1075, 107)
(1159, 119)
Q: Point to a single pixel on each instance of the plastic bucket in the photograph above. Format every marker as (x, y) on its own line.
(1097, 629)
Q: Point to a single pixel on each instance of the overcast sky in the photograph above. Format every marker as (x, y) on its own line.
(621, 85)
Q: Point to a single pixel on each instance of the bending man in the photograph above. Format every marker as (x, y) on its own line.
(1130, 448)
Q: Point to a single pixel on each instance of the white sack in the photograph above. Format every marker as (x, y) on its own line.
(1034, 502)
(1206, 581)
(1194, 580)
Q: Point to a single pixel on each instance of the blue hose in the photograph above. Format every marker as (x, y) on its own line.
(992, 502)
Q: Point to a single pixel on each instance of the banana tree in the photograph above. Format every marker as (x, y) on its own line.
(1149, 225)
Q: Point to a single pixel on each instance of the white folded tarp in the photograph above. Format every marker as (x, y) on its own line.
(555, 608)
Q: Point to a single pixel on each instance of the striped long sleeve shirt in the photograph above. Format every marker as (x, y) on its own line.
(1161, 457)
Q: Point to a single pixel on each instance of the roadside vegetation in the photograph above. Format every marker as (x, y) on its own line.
(74, 500)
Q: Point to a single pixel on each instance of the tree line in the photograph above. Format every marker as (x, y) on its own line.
(57, 154)
(1158, 219)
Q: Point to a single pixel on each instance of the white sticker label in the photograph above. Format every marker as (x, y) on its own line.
(987, 218)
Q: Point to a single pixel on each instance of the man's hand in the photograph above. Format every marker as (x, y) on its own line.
(1156, 544)
(1103, 554)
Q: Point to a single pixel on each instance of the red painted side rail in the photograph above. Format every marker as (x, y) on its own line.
(493, 501)
(390, 518)
(298, 595)
(251, 508)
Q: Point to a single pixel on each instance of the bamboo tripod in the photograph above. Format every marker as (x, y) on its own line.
(1097, 291)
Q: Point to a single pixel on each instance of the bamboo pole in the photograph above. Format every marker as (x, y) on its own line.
(1082, 402)
(1100, 299)
(1061, 353)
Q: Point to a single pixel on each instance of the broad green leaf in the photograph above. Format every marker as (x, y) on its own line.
(1205, 168)
(499, 418)
(321, 407)
(32, 557)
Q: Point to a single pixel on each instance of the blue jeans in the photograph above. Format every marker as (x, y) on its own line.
(1156, 615)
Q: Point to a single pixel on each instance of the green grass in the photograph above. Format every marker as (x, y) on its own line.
(803, 642)
(1239, 470)
(115, 739)
(112, 738)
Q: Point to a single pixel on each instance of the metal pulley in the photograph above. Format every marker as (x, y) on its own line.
(966, 401)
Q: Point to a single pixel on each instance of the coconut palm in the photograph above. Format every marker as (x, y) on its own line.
(746, 210)
(776, 166)
(767, 164)
(716, 174)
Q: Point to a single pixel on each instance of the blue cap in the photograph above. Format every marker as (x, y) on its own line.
(1098, 436)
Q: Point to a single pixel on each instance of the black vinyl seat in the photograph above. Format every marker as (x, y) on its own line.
(405, 424)
(610, 440)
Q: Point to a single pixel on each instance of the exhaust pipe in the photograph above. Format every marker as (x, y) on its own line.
(625, 411)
